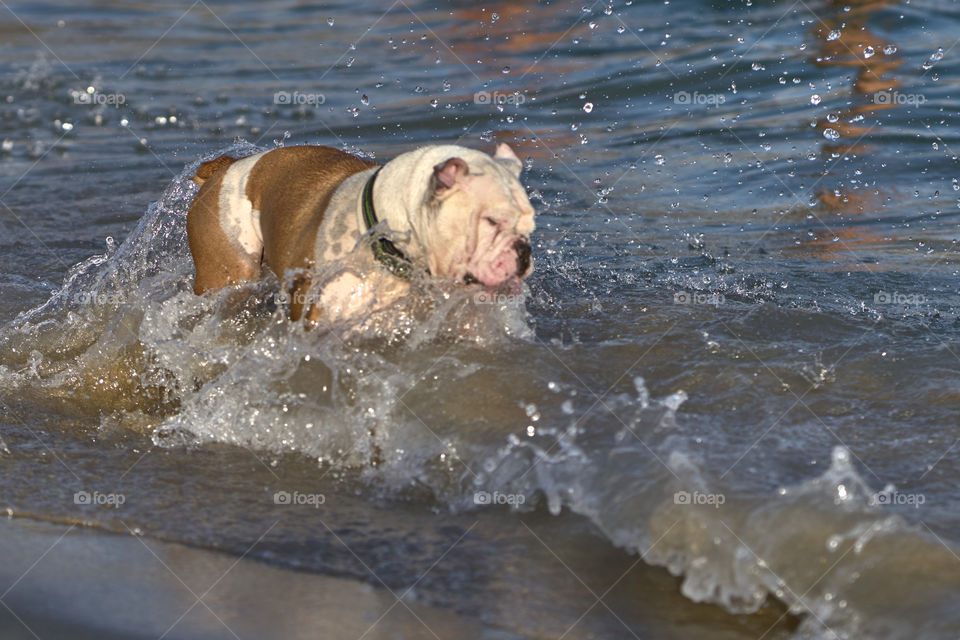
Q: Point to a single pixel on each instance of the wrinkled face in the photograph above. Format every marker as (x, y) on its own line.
(480, 220)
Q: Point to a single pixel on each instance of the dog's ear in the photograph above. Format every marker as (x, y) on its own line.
(505, 155)
(446, 174)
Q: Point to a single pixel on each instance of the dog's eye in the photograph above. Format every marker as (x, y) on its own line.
(492, 222)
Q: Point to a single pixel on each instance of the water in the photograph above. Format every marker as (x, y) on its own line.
(726, 406)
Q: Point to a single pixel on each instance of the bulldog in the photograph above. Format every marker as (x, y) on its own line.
(447, 211)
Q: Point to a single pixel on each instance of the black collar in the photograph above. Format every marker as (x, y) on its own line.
(384, 250)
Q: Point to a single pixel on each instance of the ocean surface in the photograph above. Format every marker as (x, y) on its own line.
(726, 405)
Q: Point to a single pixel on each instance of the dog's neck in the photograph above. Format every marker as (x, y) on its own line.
(384, 250)
(394, 205)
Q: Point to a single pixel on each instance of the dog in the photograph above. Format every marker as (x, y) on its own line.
(448, 211)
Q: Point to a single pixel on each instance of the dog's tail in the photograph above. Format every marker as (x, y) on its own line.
(207, 170)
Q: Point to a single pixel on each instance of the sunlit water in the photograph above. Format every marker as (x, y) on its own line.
(736, 359)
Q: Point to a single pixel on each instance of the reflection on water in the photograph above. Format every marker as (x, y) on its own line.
(845, 40)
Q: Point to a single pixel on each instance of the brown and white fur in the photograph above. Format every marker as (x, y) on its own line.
(457, 213)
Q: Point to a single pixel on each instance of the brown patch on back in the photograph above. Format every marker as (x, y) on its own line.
(292, 187)
(206, 170)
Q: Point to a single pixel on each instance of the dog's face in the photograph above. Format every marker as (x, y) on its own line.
(476, 220)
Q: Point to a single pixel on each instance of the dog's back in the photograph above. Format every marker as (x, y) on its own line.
(265, 208)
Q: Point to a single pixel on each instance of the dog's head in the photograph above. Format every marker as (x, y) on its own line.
(468, 215)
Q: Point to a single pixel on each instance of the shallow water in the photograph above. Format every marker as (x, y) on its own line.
(736, 358)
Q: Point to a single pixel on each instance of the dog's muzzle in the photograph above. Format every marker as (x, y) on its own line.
(521, 247)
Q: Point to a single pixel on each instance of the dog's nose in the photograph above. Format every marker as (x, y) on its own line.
(522, 247)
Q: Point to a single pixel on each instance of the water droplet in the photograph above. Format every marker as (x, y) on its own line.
(434, 103)
(831, 134)
(621, 29)
(505, 70)
(833, 35)
(494, 17)
(330, 21)
(588, 107)
(868, 52)
(756, 66)
(364, 99)
(938, 55)
(815, 99)
(832, 117)
(890, 49)
(659, 159)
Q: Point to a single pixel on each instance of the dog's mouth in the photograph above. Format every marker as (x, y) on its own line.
(523, 249)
